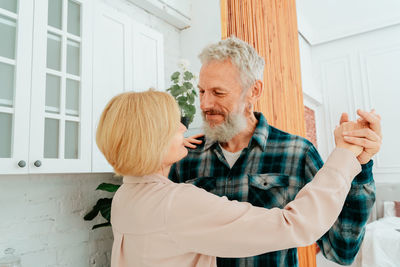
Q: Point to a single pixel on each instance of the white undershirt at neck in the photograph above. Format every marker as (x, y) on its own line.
(231, 157)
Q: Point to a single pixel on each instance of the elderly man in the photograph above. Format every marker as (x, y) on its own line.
(245, 159)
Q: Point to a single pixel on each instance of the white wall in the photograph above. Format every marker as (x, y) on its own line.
(324, 21)
(356, 71)
(307, 78)
(205, 29)
(312, 96)
(42, 219)
(41, 215)
(350, 58)
(362, 72)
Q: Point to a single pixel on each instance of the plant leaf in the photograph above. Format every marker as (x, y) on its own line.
(187, 76)
(104, 205)
(108, 187)
(176, 90)
(92, 214)
(188, 85)
(101, 225)
(175, 76)
(191, 110)
(182, 101)
(190, 98)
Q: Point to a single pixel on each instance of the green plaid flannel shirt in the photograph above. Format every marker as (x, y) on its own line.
(269, 173)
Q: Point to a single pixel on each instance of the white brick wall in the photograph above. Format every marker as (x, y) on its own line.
(41, 216)
(42, 219)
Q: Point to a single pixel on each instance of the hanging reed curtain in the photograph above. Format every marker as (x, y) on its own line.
(270, 26)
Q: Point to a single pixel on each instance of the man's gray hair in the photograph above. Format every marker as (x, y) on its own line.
(241, 54)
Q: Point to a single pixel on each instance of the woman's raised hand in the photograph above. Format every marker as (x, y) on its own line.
(192, 140)
(346, 127)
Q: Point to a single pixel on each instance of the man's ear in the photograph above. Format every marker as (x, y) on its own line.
(256, 91)
(252, 95)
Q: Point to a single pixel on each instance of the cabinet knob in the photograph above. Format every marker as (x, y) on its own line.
(22, 163)
(37, 163)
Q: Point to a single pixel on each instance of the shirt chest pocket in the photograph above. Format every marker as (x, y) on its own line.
(268, 190)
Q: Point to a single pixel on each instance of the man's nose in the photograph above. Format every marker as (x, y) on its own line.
(206, 101)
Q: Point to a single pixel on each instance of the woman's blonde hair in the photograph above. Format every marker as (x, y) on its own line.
(135, 130)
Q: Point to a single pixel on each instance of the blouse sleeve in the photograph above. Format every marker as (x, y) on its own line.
(201, 222)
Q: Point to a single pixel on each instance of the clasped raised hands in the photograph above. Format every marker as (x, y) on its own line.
(363, 138)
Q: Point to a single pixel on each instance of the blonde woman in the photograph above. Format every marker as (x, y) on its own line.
(160, 223)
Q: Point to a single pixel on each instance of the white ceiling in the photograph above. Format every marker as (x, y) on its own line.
(321, 21)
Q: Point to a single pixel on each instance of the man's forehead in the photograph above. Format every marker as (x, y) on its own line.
(213, 88)
(225, 65)
(219, 76)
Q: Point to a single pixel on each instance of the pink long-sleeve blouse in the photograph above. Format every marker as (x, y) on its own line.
(157, 222)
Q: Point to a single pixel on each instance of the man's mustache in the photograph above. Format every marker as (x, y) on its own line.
(213, 112)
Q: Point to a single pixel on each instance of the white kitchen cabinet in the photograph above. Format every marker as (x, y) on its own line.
(45, 86)
(175, 12)
(148, 59)
(111, 67)
(128, 56)
(15, 72)
(61, 61)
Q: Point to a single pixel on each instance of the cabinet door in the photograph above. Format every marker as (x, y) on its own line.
(111, 67)
(16, 19)
(60, 132)
(148, 59)
(127, 56)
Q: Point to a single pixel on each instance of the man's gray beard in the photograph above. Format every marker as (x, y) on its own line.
(232, 126)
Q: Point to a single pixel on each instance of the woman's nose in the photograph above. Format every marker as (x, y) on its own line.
(183, 127)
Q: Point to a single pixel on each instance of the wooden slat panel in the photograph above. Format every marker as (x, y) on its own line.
(307, 256)
(270, 26)
(224, 18)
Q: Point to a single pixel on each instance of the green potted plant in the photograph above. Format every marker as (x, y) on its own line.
(103, 206)
(183, 90)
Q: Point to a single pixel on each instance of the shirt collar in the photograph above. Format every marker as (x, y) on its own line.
(151, 178)
(260, 134)
(209, 143)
